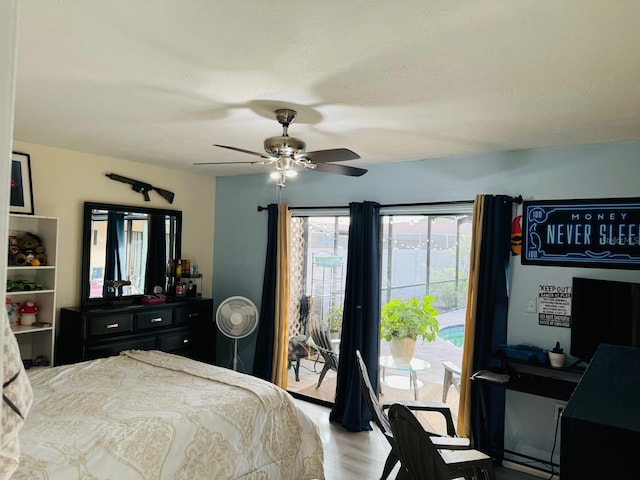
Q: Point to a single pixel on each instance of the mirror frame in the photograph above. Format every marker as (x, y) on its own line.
(85, 286)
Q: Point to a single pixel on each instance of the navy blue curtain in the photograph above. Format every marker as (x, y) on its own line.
(488, 402)
(263, 360)
(115, 251)
(361, 317)
(156, 253)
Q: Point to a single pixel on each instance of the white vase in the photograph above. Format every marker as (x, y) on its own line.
(402, 349)
(557, 359)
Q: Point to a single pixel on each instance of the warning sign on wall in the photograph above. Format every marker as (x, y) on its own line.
(554, 305)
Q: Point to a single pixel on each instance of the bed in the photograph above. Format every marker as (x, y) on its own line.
(153, 415)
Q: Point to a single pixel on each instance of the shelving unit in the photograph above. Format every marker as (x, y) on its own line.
(172, 279)
(32, 340)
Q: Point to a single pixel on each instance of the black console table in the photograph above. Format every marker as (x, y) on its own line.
(184, 327)
(535, 379)
(542, 380)
(531, 378)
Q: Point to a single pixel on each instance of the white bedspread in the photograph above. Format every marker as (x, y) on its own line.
(152, 415)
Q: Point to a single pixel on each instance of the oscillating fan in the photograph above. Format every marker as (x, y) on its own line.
(237, 317)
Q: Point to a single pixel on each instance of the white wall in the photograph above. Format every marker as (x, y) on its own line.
(63, 180)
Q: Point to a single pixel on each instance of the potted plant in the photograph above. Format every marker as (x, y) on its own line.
(402, 321)
(557, 356)
(334, 320)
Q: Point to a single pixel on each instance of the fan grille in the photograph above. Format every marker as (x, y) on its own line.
(237, 317)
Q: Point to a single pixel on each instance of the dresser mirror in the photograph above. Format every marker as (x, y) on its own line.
(125, 252)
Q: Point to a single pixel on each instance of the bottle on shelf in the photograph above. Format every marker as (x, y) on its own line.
(191, 289)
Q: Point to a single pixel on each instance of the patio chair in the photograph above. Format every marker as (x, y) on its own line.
(452, 375)
(421, 456)
(297, 350)
(320, 335)
(378, 413)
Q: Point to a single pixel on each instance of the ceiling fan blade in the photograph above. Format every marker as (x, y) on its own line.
(331, 155)
(339, 169)
(262, 155)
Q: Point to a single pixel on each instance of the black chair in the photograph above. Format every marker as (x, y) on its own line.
(297, 350)
(322, 340)
(378, 413)
(422, 458)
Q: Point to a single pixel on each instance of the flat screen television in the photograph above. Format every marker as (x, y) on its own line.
(603, 311)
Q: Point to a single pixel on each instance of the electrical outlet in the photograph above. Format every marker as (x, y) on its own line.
(531, 305)
(557, 410)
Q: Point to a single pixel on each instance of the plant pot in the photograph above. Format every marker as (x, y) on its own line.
(402, 349)
(557, 359)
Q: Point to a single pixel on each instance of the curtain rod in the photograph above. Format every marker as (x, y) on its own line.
(517, 200)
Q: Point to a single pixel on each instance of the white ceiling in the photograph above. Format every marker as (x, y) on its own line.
(160, 81)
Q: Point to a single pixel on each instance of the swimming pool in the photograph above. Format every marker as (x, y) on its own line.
(453, 334)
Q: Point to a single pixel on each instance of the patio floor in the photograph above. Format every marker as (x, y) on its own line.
(396, 386)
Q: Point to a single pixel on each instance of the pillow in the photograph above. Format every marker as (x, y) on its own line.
(17, 397)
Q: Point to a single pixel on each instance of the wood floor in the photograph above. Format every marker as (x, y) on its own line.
(361, 455)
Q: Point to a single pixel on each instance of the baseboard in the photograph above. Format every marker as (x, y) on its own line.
(528, 470)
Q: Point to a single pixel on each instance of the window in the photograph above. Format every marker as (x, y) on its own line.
(426, 255)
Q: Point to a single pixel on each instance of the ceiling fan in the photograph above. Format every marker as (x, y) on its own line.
(284, 152)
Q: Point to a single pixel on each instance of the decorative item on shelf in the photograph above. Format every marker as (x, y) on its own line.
(13, 311)
(26, 249)
(22, 285)
(157, 296)
(557, 356)
(21, 192)
(39, 361)
(404, 320)
(28, 312)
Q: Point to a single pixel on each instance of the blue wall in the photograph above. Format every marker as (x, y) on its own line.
(592, 171)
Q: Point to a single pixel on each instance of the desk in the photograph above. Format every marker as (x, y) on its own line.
(416, 365)
(532, 379)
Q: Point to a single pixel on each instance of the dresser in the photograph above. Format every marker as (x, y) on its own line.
(184, 327)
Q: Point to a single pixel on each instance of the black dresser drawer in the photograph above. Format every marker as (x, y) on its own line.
(198, 311)
(176, 341)
(110, 324)
(114, 348)
(154, 319)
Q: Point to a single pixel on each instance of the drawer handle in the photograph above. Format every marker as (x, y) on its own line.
(156, 320)
(112, 325)
(186, 340)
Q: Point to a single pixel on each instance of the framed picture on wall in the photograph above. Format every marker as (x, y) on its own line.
(21, 192)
